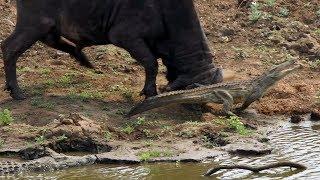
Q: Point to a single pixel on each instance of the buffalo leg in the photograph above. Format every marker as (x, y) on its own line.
(140, 51)
(56, 42)
(15, 45)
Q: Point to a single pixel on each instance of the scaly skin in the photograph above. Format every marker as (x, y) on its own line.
(228, 94)
(53, 162)
(256, 169)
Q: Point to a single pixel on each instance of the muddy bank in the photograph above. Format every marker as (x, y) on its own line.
(76, 133)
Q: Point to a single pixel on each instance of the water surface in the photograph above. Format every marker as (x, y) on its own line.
(297, 143)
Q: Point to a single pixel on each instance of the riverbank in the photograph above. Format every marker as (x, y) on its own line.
(70, 108)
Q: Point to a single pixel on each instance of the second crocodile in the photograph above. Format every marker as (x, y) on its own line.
(228, 94)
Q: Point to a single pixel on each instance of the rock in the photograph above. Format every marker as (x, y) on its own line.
(31, 153)
(315, 116)
(307, 45)
(248, 149)
(76, 133)
(296, 119)
(226, 31)
(244, 3)
(216, 139)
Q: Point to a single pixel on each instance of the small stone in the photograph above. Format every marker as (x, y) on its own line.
(315, 116)
(249, 149)
(296, 119)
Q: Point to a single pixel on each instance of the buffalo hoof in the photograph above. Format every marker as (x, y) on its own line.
(149, 92)
(17, 94)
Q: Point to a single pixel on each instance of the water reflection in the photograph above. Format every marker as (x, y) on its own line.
(298, 143)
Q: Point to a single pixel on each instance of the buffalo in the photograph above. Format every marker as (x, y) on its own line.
(147, 29)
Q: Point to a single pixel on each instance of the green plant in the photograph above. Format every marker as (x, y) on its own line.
(318, 97)
(107, 135)
(1, 143)
(149, 143)
(187, 133)
(5, 117)
(315, 65)
(235, 124)
(49, 82)
(270, 3)
(84, 96)
(41, 103)
(240, 53)
(255, 14)
(40, 139)
(65, 80)
(45, 71)
(207, 142)
(62, 138)
(147, 155)
(126, 93)
(24, 70)
(318, 13)
(284, 12)
(128, 129)
(140, 121)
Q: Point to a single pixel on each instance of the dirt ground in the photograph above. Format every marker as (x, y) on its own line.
(244, 40)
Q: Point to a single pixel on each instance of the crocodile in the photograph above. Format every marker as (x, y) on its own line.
(226, 93)
(54, 161)
(256, 169)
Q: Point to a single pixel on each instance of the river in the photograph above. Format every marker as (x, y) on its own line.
(296, 143)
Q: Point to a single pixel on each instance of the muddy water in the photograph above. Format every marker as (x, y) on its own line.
(298, 143)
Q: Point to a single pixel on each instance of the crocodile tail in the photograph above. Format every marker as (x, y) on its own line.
(163, 100)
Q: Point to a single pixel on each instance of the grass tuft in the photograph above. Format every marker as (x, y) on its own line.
(5, 117)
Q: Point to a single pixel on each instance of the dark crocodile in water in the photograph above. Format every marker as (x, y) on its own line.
(49, 163)
(55, 161)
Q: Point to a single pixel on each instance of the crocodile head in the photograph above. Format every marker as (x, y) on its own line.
(275, 74)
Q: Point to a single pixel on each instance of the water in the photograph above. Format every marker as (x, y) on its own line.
(298, 143)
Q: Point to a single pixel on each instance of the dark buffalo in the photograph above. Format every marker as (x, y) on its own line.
(147, 29)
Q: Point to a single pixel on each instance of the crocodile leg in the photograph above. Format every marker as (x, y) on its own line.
(249, 100)
(227, 101)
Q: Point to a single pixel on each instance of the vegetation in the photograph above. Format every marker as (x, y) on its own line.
(62, 138)
(318, 13)
(255, 14)
(235, 124)
(66, 80)
(130, 127)
(147, 155)
(5, 117)
(84, 96)
(207, 142)
(284, 12)
(107, 135)
(39, 102)
(126, 93)
(1, 143)
(315, 65)
(40, 140)
(271, 3)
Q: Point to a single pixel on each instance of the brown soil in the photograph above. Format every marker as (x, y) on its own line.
(57, 85)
